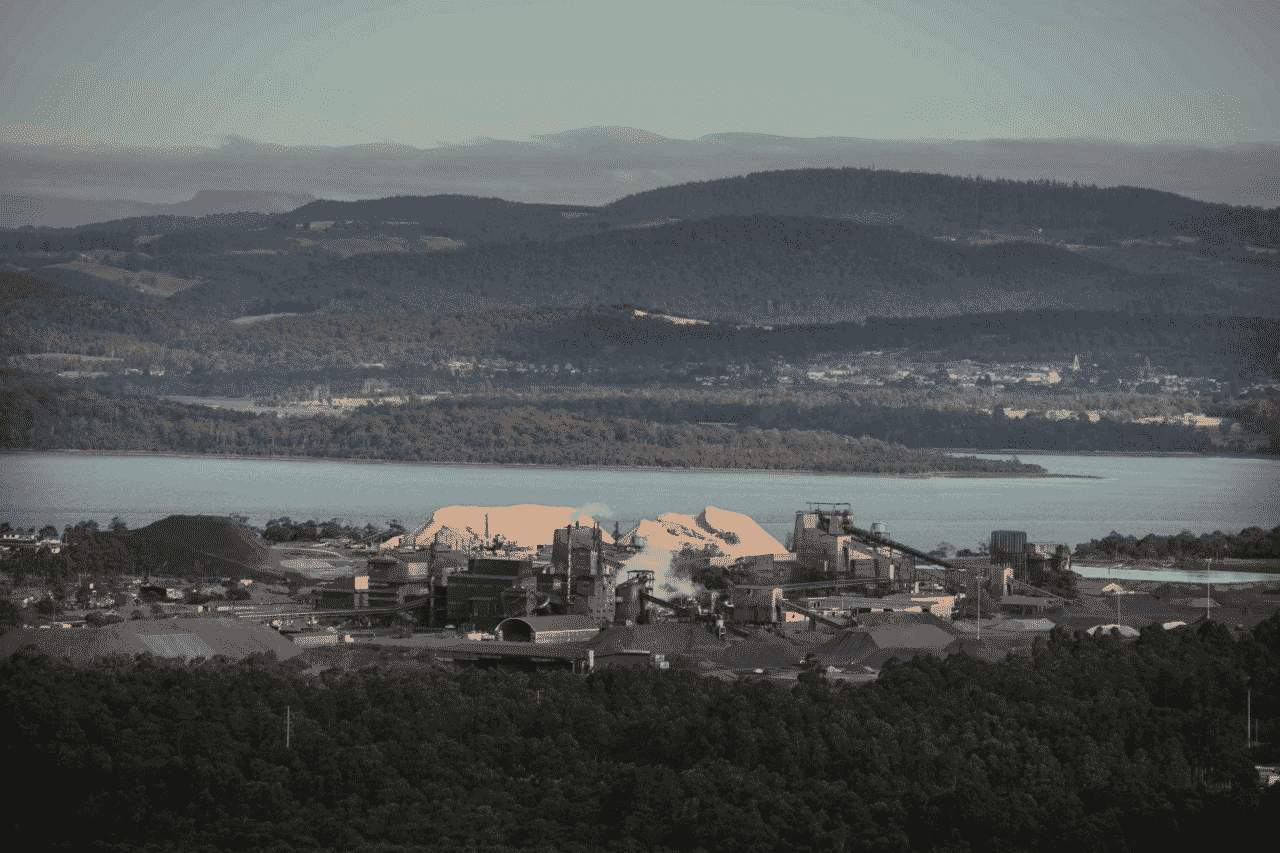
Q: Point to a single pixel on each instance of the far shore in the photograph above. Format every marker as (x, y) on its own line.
(1178, 454)
(923, 475)
(1227, 565)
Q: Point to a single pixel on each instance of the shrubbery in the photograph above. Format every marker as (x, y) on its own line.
(1250, 543)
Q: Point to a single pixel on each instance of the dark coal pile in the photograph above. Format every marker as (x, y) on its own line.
(207, 544)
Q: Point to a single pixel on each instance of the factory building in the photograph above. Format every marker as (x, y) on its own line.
(628, 604)
(1046, 561)
(764, 569)
(385, 582)
(1008, 551)
(1016, 559)
(594, 596)
(516, 599)
(391, 583)
(350, 593)
(824, 549)
(582, 573)
(476, 596)
(756, 603)
(577, 550)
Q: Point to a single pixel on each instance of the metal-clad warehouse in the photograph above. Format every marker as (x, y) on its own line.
(547, 629)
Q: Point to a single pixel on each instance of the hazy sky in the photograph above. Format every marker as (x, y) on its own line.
(328, 72)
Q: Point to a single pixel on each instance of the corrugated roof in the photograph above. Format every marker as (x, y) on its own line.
(872, 648)
(1137, 610)
(878, 620)
(1125, 630)
(1040, 624)
(1029, 600)
(571, 622)
(559, 651)
(668, 638)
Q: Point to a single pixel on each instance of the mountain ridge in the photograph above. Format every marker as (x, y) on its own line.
(599, 166)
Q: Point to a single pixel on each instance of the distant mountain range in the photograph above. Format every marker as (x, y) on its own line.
(16, 211)
(590, 166)
(797, 246)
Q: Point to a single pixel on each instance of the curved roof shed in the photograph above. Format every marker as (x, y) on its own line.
(547, 629)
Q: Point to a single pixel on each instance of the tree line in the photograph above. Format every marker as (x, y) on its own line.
(1075, 212)
(49, 416)
(89, 551)
(661, 428)
(1252, 543)
(911, 426)
(1090, 743)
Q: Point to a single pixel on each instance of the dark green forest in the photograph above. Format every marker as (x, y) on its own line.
(854, 436)
(908, 426)
(50, 415)
(1252, 543)
(1237, 342)
(770, 268)
(1087, 214)
(1091, 743)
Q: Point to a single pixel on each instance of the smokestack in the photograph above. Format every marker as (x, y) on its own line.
(568, 567)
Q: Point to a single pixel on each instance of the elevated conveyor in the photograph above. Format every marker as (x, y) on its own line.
(683, 611)
(362, 611)
(804, 611)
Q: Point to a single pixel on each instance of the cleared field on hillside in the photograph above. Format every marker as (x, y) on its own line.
(151, 283)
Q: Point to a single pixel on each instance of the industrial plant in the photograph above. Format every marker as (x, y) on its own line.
(565, 602)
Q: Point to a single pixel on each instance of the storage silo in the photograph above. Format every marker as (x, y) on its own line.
(1008, 549)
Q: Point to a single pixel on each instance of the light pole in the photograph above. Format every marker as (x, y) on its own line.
(1207, 587)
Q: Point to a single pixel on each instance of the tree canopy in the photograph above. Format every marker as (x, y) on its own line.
(1090, 743)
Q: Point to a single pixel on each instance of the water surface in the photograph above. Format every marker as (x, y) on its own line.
(1132, 495)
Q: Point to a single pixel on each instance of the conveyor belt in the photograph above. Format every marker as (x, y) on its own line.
(804, 611)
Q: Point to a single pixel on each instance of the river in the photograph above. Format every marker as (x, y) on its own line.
(1131, 494)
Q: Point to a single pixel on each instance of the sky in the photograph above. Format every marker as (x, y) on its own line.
(330, 73)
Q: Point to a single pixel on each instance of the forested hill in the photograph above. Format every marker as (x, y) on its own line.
(762, 268)
(776, 247)
(950, 203)
(465, 217)
(933, 203)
